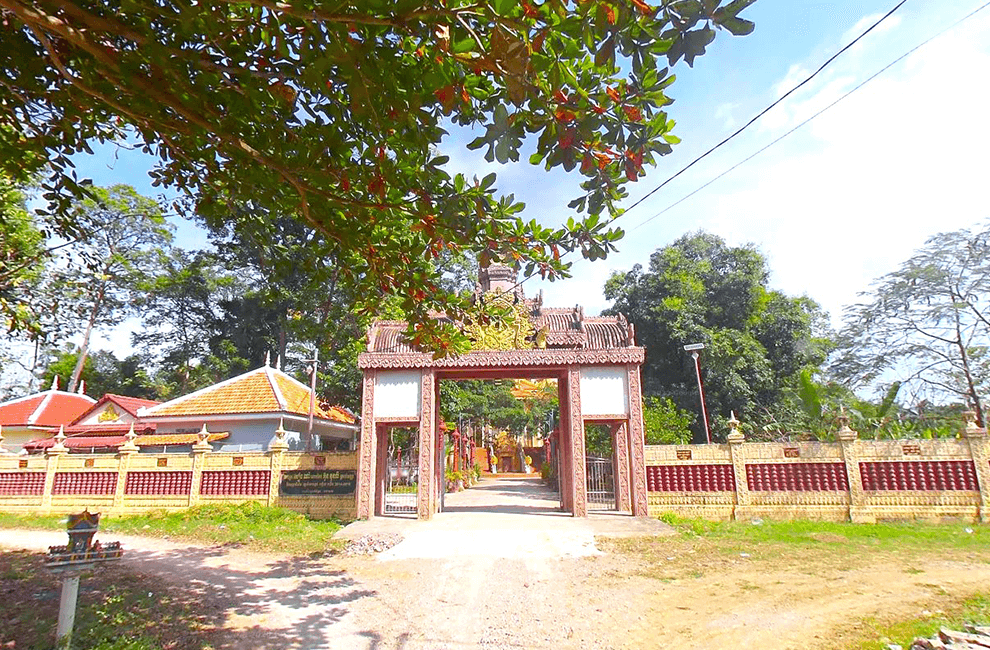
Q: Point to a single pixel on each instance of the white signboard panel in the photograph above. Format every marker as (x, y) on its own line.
(397, 394)
(604, 391)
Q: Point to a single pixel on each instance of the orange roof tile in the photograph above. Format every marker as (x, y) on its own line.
(177, 438)
(129, 404)
(264, 390)
(48, 409)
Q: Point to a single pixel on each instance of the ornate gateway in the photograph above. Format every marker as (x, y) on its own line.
(594, 360)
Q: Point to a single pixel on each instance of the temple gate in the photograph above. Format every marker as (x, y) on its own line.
(594, 359)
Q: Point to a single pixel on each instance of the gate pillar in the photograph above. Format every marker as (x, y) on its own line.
(564, 445)
(576, 453)
(637, 445)
(428, 490)
(620, 465)
(368, 451)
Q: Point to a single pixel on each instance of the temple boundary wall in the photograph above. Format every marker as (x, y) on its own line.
(134, 483)
(849, 480)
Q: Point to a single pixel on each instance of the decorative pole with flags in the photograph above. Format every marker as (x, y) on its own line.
(312, 398)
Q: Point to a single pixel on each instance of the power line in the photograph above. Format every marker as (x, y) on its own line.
(768, 108)
(751, 121)
(839, 99)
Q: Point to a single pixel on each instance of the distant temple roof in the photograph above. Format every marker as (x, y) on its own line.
(558, 335)
(263, 390)
(49, 408)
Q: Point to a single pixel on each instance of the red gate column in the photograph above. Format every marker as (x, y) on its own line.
(637, 449)
(367, 454)
(564, 446)
(579, 482)
(381, 468)
(620, 465)
(427, 491)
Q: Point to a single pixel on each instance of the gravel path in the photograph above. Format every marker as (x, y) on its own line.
(502, 569)
(485, 573)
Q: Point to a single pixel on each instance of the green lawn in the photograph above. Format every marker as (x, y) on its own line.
(843, 537)
(879, 635)
(252, 525)
(117, 609)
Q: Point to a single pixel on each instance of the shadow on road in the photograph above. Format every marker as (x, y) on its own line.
(287, 604)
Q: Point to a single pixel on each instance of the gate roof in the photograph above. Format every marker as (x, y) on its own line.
(562, 337)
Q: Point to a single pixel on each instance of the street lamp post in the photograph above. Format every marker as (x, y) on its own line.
(693, 349)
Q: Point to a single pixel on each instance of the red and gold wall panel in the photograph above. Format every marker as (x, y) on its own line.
(22, 483)
(796, 477)
(248, 482)
(690, 478)
(85, 483)
(158, 483)
(924, 475)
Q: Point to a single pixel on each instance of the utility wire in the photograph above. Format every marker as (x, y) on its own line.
(768, 108)
(751, 121)
(850, 92)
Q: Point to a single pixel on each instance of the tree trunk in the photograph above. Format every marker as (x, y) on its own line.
(970, 384)
(84, 348)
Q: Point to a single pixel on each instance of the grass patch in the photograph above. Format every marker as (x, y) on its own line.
(878, 635)
(250, 524)
(842, 536)
(52, 522)
(116, 610)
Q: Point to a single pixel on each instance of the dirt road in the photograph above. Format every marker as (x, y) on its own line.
(519, 575)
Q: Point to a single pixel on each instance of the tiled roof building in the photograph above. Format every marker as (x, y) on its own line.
(250, 407)
(25, 418)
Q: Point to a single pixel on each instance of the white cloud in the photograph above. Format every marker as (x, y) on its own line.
(849, 197)
(872, 178)
(725, 113)
(861, 26)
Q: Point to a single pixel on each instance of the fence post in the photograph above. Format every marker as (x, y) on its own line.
(849, 443)
(199, 451)
(52, 456)
(276, 449)
(124, 453)
(738, 455)
(978, 449)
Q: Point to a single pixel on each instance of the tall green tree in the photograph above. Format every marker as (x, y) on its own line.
(23, 257)
(701, 290)
(126, 234)
(335, 115)
(103, 373)
(926, 325)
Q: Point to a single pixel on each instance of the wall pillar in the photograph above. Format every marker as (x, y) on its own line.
(367, 452)
(199, 451)
(124, 454)
(52, 457)
(979, 449)
(849, 443)
(578, 473)
(637, 445)
(276, 455)
(621, 465)
(738, 455)
(427, 492)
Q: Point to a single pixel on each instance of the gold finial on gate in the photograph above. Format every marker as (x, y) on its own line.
(735, 435)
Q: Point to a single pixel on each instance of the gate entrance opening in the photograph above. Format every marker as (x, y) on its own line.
(594, 360)
(400, 448)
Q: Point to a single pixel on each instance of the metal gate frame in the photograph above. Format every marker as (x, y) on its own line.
(600, 483)
(404, 501)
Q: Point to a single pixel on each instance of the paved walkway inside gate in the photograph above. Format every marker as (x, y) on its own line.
(503, 516)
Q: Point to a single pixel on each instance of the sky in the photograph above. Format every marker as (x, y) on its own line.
(834, 206)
